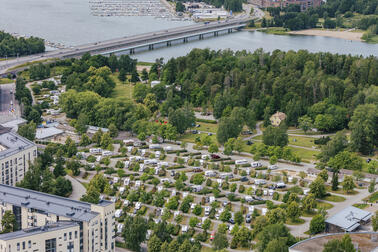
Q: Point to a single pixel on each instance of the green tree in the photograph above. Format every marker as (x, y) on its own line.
(337, 144)
(92, 195)
(8, 222)
(81, 123)
(206, 224)
(277, 215)
(220, 241)
(122, 75)
(59, 169)
(374, 222)
(364, 130)
(372, 185)
(63, 187)
(193, 221)
(345, 160)
(324, 175)
(239, 218)
(305, 123)
(106, 141)
(144, 76)
(154, 244)
(197, 210)
(317, 224)
(134, 232)
(345, 245)
(348, 184)
(134, 76)
(28, 131)
(85, 140)
(271, 232)
(335, 181)
(309, 203)
(213, 148)
(238, 144)
(275, 136)
(113, 131)
(293, 211)
(317, 188)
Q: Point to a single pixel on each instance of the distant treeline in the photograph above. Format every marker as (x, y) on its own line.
(11, 46)
(292, 18)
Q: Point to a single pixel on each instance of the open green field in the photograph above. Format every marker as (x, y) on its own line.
(5, 81)
(334, 198)
(306, 155)
(372, 198)
(302, 141)
(190, 138)
(324, 205)
(122, 90)
(208, 127)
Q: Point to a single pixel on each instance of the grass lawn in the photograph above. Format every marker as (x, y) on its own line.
(361, 206)
(121, 90)
(305, 214)
(5, 81)
(190, 138)
(296, 222)
(208, 127)
(340, 191)
(57, 70)
(324, 205)
(372, 198)
(302, 141)
(275, 30)
(334, 198)
(260, 137)
(306, 155)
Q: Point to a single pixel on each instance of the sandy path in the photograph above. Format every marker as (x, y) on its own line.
(348, 35)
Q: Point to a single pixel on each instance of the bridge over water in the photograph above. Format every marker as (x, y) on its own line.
(137, 43)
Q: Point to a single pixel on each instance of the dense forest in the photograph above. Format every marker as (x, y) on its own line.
(333, 91)
(291, 17)
(11, 46)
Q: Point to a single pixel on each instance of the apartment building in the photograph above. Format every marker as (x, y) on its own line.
(57, 237)
(16, 153)
(35, 209)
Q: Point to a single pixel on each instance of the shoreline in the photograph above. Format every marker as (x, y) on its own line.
(347, 35)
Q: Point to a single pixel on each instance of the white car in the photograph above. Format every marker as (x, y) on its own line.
(272, 167)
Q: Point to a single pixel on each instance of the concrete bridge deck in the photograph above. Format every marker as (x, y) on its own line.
(131, 42)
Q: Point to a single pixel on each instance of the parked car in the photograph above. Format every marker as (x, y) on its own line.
(244, 179)
(248, 218)
(215, 156)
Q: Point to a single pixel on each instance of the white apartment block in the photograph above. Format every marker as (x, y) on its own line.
(16, 153)
(35, 209)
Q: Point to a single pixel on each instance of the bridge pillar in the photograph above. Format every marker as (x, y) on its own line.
(151, 47)
(185, 40)
(230, 30)
(215, 34)
(201, 37)
(132, 51)
(169, 43)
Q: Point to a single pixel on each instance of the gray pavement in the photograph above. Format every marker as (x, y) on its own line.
(9, 108)
(78, 189)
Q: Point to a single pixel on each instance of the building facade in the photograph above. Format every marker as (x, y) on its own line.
(16, 153)
(35, 209)
(57, 237)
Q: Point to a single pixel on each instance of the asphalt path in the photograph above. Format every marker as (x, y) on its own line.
(7, 102)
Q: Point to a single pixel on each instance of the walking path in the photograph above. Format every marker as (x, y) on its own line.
(78, 189)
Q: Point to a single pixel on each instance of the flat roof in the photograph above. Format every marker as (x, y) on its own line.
(12, 143)
(73, 209)
(42, 133)
(348, 219)
(37, 230)
(14, 123)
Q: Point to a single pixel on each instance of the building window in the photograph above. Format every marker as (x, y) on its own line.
(50, 245)
(65, 236)
(23, 245)
(75, 234)
(29, 244)
(70, 247)
(70, 235)
(18, 246)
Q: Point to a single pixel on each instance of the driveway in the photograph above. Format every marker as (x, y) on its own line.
(78, 189)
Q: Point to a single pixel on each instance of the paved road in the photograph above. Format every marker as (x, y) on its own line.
(7, 102)
(78, 189)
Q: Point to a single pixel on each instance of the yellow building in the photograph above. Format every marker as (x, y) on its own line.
(35, 209)
(277, 118)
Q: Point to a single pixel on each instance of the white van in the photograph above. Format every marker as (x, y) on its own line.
(256, 164)
(155, 146)
(241, 162)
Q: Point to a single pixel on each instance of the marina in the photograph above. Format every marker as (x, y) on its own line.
(108, 8)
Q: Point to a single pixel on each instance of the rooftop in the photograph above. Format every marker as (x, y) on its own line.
(348, 219)
(43, 133)
(12, 143)
(37, 230)
(73, 209)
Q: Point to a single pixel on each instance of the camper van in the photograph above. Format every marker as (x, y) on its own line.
(256, 164)
(241, 162)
